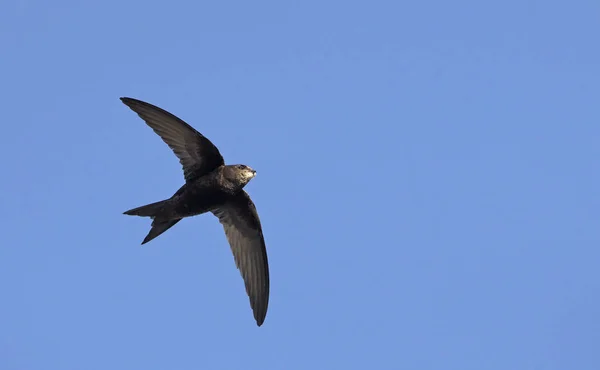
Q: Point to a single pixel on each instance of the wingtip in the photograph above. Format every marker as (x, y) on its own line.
(260, 320)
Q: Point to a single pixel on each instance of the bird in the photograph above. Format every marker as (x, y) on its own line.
(210, 186)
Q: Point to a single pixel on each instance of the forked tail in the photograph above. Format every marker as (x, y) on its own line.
(153, 210)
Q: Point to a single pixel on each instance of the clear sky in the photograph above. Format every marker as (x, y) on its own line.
(428, 184)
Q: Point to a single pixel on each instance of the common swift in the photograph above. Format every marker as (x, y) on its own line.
(210, 186)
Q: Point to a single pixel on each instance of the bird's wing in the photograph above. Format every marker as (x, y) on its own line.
(196, 153)
(244, 233)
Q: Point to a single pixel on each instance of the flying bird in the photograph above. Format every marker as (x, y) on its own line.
(210, 186)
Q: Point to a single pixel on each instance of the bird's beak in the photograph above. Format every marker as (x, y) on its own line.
(253, 173)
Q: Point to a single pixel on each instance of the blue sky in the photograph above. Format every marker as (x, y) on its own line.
(428, 184)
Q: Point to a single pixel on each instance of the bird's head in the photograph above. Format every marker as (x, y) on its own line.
(239, 174)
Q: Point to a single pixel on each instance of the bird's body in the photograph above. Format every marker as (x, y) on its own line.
(202, 195)
(211, 186)
(205, 194)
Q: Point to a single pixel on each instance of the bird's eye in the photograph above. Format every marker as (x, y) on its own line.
(241, 166)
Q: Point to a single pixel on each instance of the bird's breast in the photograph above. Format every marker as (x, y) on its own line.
(197, 200)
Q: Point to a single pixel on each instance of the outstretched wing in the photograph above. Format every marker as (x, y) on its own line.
(244, 233)
(196, 153)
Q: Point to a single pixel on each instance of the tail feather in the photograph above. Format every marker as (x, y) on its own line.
(159, 224)
(149, 210)
(159, 227)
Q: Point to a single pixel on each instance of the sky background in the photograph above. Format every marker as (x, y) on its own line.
(428, 184)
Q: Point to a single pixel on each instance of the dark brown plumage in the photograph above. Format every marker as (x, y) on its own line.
(210, 186)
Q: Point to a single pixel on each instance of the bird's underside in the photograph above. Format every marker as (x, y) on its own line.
(201, 162)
